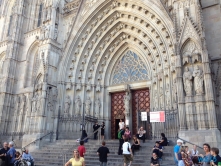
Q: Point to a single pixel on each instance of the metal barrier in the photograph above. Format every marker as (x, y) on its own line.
(39, 139)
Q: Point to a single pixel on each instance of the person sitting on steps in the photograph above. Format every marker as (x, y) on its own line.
(163, 141)
(158, 150)
(154, 160)
(141, 134)
(136, 144)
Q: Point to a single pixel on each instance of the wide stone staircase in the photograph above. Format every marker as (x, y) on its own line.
(51, 154)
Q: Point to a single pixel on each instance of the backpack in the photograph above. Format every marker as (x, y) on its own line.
(119, 136)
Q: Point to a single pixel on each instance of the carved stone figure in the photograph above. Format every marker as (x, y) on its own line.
(198, 80)
(88, 106)
(97, 108)
(174, 91)
(155, 100)
(67, 105)
(127, 104)
(161, 97)
(78, 104)
(78, 85)
(98, 87)
(187, 80)
(88, 88)
(23, 101)
(43, 29)
(56, 32)
(47, 32)
(167, 94)
(34, 102)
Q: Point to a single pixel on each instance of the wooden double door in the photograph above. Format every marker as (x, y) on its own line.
(140, 102)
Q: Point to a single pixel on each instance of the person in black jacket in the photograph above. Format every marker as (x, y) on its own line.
(95, 127)
(154, 160)
(84, 135)
(216, 158)
(3, 152)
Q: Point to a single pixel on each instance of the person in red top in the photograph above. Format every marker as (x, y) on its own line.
(81, 149)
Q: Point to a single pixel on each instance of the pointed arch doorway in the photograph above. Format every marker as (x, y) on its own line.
(131, 75)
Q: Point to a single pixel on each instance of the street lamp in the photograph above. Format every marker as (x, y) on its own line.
(83, 122)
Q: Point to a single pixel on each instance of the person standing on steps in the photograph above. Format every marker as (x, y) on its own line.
(77, 160)
(102, 130)
(11, 154)
(3, 152)
(127, 152)
(103, 153)
(82, 149)
(120, 136)
(176, 150)
(121, 124)
(95, 127)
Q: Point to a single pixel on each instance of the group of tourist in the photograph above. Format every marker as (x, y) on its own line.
(185, 157)
(10, 157)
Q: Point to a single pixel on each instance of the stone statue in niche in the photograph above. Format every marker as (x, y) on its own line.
(56, 32)
(187, 80)
(198, 80)
(161, 97)
(88, 88)
(23, 101)
(34, 102)
(78, 104)
(43, 30)
(67, 105)
(155, 100)
(174, 91)
(88, 106)
(97, 108)
(167, 94)
(38, 101)
(78, 85)
(47, 32)
(127, 104)
(98, 87)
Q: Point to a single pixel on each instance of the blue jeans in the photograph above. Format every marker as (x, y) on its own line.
(103, 164)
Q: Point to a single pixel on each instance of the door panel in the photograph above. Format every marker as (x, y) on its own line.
(141, 103)
(117, 111)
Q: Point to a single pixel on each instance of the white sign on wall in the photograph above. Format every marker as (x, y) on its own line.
(143, 116)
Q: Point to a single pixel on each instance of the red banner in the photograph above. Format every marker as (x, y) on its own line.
(158, 116)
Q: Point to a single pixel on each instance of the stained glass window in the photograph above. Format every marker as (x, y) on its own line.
(129, 68)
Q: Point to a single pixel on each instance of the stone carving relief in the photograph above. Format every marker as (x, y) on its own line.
(127, 104)
(198, 80)
(97, 108)
(88, 106)
(45, 32)
(78, 105)
(67, 105)
(187, 80)
(78, 88)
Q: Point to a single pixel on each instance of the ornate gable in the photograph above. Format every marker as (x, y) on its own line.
(189, 30)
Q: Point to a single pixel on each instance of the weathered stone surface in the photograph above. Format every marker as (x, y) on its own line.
(60, 59)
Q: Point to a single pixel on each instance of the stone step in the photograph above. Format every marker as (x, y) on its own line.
(51, 154)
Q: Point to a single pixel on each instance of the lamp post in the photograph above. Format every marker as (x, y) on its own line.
(83, 122)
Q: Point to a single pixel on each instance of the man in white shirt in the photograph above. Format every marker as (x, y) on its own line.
(127, 152)
(121, 124)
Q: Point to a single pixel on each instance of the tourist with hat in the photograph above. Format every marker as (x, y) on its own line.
(176, 150)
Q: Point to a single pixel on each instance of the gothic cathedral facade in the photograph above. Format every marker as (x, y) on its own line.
(110, 60)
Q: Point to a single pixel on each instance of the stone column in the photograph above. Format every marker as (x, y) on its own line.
(209, 91)
(180, 93)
